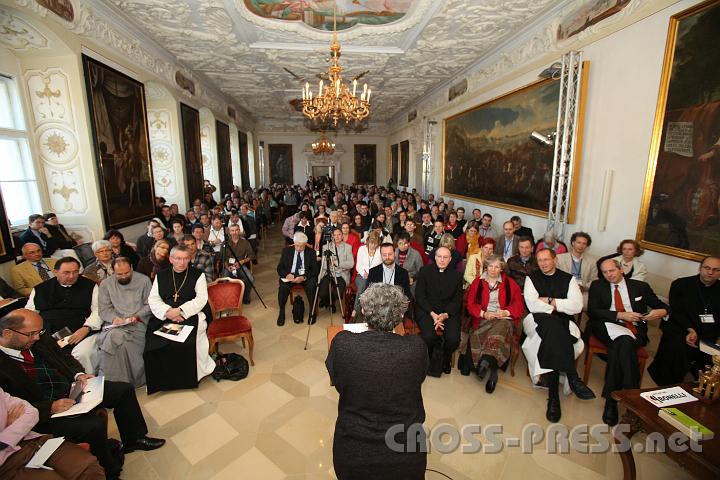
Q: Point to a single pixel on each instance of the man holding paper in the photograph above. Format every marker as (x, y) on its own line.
(178, 295)
(19, 445)
(619, 309)
(34, 368)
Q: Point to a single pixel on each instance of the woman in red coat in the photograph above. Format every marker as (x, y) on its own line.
(495, 305)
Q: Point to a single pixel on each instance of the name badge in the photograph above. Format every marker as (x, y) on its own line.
(707, 318)
(301, 272)
(231, 261)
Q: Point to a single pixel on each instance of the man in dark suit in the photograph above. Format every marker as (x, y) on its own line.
(521, 231)
(297, 266)
(37, 233)
(33, 367)
(388, 272)
(619, 309)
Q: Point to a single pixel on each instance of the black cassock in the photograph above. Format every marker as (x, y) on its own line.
(172, 365)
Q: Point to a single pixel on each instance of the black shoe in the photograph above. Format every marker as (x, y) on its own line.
(492, 381)
(145, 443)
(482, 369)
(281, 319)
(464, 365)
(297, 320)
(553, 412)
(580, 389)
(610, 413)
(447, 367)
(333, 308)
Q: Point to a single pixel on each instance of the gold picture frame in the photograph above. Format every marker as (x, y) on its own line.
(680, 212)
(544, 96)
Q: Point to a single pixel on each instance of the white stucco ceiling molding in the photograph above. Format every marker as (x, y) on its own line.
(17, 34)
(114, 33)
(410, 20)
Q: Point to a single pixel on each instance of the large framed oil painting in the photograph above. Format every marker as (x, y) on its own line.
(489, 157)
(281, 163)
(394, 162)
(190, 119)
(120, 136)
(680, 212)
(224, 159)
(404, 163)
(244, 161)
(365, 158)
(6, 241)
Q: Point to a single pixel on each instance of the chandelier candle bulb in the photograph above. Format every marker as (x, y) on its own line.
(354, 87)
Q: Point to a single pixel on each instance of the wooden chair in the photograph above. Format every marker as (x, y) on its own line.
(596, 346)
(225, 297)
(296, 290)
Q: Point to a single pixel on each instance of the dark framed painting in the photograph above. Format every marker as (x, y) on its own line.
(280, 165)
(192, 152)
(492, 141)
(222, 131)
(6, 241)
(120, 137)
(244, 161)
(394, 162)
(405, 163)
(365, 163)
(680, 213)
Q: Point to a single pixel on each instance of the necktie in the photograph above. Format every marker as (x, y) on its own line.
(30, 361)
(619, 307)
(42, 271)
(298, 263)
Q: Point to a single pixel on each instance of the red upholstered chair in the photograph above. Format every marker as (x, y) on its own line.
(596, 346)
(225, 297)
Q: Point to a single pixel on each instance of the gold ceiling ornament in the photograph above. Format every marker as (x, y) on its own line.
(323, 146)
(336, 101)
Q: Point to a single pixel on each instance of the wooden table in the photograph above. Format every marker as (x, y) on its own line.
(643, 415)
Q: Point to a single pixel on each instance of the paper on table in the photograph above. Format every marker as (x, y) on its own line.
(614, 330)
(38, 460)
(667, 397)
(174, 331)
(91, 397)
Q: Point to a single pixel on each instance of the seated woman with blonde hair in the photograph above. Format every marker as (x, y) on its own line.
(495, 307)
(474, 265)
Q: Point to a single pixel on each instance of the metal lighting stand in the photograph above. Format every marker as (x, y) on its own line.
(565, 140)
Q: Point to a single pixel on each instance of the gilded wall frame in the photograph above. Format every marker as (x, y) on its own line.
(680, 211)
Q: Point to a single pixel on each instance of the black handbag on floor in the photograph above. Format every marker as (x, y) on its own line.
(298, 309)
(435, 367)
(230, 366)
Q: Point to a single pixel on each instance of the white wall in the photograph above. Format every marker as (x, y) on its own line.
(300, 141)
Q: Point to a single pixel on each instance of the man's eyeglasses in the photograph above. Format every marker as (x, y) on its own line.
(39, 333)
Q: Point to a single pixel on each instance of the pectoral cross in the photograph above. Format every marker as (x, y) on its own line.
(175, 297)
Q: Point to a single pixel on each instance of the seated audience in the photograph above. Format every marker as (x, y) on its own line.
(198, 233)
(495, 307)
(474, 264)
(342, 264)
(523, 264)
(237, 255)
(57, 232)
(507, 244)
(553, 339)
(216, 235)
(297, 266)
(33, 367)
(432, 239)
(156, 261)
(619, 309)
(627, 254)
(521, 231)
(462, 221)
(120, 248)
(351, 238)
(485, 227)
(18, 444)
(178, 296)
(694, 316)
(177, 231)
(33, 271)
(448, 241)
(438, 302)
(408, 258)
(367, 258)
(453, 227)
(364, 415)
(550, 241)
(579, 264)
(306, 226)
(145, 242)
(123, 304)
(101, 268)
(37, 233)
(200, 259)
(358, 225)
(389, 271)
(70, 301)
(468, 243)
(166, 217)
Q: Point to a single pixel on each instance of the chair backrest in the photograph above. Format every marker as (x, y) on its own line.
(225, 294)
(85, 253)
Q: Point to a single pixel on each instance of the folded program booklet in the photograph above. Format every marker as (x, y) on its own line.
(667, 397)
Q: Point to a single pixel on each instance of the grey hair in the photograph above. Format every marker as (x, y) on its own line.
(11, 321)
(179, 248)
(495, 257)
(549, 237)
(98, 244)
(383, 306)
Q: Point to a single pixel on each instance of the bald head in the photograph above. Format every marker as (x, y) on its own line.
(20, 329)
(32, 252)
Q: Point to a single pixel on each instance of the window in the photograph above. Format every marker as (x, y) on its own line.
(18, 184)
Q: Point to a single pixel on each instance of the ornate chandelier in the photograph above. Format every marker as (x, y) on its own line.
(336, 101)
(323, 146)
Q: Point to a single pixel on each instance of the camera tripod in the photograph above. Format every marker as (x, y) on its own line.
(330, 272)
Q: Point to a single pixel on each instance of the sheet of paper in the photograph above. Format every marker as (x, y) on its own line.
(284, 280)
(91, 397)
(174, 331)
(38, 460)
(614, 330)
(667, 397)
(112, 325)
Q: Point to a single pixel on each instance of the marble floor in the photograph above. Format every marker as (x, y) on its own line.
(278, 422)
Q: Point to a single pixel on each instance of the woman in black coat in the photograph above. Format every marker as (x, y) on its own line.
(373, 398)
(120, 248)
